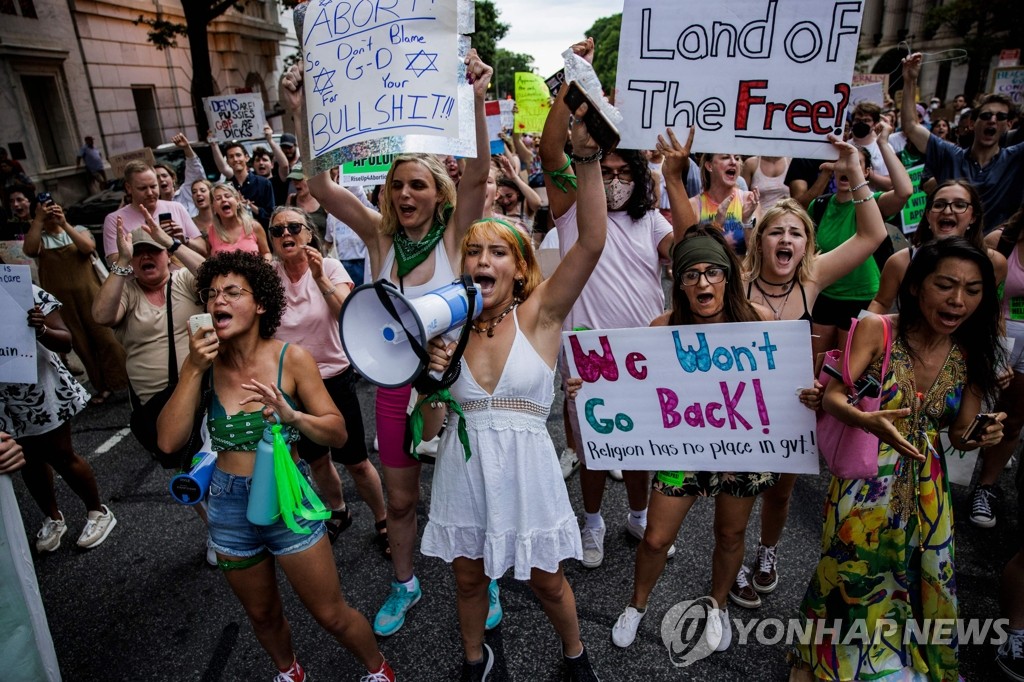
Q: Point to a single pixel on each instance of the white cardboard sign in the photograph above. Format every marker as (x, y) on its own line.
(18, 348)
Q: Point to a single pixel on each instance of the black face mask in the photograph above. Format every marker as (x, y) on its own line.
(860, 129)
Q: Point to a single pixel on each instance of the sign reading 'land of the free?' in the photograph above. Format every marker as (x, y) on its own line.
(713, 397)
(235, 117)
(378, 69)
(755, 76)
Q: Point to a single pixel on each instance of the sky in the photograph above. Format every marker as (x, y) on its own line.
(545, 28)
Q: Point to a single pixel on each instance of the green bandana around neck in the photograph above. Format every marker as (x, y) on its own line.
(409, 254)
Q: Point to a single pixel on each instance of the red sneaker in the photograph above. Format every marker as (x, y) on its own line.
(385, 674)
(296, 673)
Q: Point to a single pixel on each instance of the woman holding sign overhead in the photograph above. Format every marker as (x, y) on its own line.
(413, 242)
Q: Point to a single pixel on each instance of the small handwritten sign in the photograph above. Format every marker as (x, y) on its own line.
(119, 161)
(18, 347)
(1009, 81)
(235, 117)
(377, 71)
(754, 76)
(714, 397)
(913, 211)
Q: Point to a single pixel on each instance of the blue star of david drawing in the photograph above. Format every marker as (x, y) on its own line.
(420, 66)
(323, 81)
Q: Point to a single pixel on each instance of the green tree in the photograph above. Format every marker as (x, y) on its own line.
(506, 63)
(987, 26)
(605, 33)
(489, 30)
(198, 16)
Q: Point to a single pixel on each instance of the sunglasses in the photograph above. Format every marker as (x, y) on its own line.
(293, 229)
(988, 115)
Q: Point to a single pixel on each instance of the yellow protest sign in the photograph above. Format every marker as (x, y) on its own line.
(534, 102)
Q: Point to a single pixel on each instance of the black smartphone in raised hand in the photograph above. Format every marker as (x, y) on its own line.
(600, 128)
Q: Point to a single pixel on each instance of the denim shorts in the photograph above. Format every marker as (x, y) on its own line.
(232, 535)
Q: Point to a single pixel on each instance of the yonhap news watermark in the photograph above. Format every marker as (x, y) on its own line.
(691, 630)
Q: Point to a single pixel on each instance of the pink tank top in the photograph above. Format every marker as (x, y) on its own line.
(247, 242)
(771, 188)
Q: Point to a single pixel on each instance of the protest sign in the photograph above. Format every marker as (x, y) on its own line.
(119, 161)
(534, 102)
(754, 76)
(913, 210)
(235, 117)
(493, 111)
(385, 78)
(869, 92)
(18, 349)
(1009, 81)
(714, 397)
(507, 113)
(372, 170)
(869, 78)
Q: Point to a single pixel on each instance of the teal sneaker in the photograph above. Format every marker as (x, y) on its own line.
(494, 610)
(391, 616)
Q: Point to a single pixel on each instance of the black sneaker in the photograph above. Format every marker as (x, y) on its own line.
(580, 669)
(1010, 658)
(982, 513)
(338, 523)
(479, 671)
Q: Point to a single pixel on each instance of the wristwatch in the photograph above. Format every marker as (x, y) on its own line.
(175, 245)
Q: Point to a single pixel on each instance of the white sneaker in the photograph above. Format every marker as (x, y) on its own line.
(593, 546)
(616, 474)
(48, 537)
(726, 625)
(426, 447)
(713, 629)
(624, 630)
(637, 530)
(211, 553)
(97, 528)
(569, 462)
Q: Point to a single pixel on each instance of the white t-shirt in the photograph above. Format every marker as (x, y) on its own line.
(877, 162)
(624, 290)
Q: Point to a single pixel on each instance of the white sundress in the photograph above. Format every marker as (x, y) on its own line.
(508, 503)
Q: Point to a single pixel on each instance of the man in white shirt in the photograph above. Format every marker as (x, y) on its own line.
(866, 116)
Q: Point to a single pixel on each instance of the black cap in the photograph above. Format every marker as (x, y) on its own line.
(287, 140)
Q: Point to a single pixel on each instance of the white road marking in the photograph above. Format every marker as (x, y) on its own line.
(112, 441)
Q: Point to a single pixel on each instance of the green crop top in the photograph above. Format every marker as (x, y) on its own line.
(242, 431)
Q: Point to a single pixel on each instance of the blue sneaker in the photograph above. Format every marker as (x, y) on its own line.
(391, 616)
(494, 610)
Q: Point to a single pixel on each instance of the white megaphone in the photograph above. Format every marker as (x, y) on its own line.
(380, 325)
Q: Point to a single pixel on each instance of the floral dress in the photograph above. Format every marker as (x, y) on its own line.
(34, 409)
(887, 547)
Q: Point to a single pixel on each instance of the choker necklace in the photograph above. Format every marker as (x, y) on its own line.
(490, 324)
(784, 294)
(776, 312)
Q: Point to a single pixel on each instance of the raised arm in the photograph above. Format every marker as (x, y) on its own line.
(189, 258)
(219, 162)
(889, 285)
(804, 195)
(525, 155)
(844, 259)
(283, 167)
(469, 204)
(33, 243)
(559, 292)
(892, 201)
(915, 132)
(530, 198)
(106, 306)
(675, 165)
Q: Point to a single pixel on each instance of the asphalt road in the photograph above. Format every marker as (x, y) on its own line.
(144, 605)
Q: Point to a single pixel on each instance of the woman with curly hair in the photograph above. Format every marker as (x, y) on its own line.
(248, 366)
(707, 288)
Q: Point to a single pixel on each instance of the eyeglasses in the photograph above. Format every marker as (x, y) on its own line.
(999, 115)
(623, 174)
(231, 293)
(954, 206)
(293, 229)
(713, 275)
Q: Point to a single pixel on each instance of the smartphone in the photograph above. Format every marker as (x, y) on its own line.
(196, 322)
(974, 431)
(165, 218)
(600, 128)
(45, 199)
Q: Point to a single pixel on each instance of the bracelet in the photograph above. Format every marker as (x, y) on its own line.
(329, 292)
(41, 332)
(854, 189)
(581, 160)
(175, 245)
(116, 269)
(864, 200)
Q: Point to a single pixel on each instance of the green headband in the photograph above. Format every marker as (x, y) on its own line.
(512, 228)
(702, 249)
